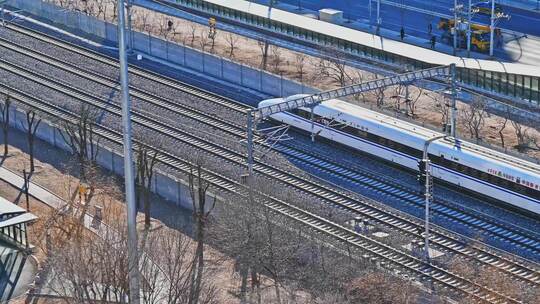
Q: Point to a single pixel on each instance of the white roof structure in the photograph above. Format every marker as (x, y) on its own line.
(11, 214)
(376, 42)
(7, 207)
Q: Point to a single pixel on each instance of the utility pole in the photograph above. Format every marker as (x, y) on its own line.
(133, 258)
(455, 27)
(369, 9)
(428, 191)
(453, 111)
(378, 16)
(250, 144)
(492, 28)
(469, 17)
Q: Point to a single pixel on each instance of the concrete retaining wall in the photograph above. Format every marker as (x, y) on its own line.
(216, 66)
(165, 185)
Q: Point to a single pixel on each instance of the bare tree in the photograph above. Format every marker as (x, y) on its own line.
(263, 46)
(101, 8)
(276, 59)
(164, 26)
(212, 34)
(474, 116)
(31, 128)
(399, 96)
(300, 65)
(358, 77)
(103, 274)
(5, 108)
(441, 106)
(232, 40)
(203, 41)
(198, 187)
(502, 125)
(380, 96)
(521, 133)
(379, 287)
(412, 101)
(146, 161)
(192, 31)
(332, 65)
(80, 136)
(144, 15)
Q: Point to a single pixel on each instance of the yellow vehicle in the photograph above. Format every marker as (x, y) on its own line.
(479, 35)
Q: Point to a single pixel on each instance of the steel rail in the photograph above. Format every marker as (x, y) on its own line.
(133, 69)
(293, 152)
(514, 271)
(373, 248)
(312, 188)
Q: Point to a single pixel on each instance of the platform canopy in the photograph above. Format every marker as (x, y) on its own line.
(13, 220)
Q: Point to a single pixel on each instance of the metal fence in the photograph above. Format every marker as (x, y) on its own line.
(181, 55)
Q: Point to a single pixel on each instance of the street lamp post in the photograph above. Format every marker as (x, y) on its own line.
(378, 16)
(369, 9)
(133, 259)
(455, 26)
(428, 191)
(469, 17)
(492, 28)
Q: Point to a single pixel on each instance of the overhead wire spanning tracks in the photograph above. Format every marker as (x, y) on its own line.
(363, 178)
(374, 249)
(257, 115)
(300, 184)
(317, 98)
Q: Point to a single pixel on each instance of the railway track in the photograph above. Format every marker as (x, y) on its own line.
(375, 250)
(323, 192)
(236, 158)
(359, 176)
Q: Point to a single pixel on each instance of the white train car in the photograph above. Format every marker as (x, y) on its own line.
(491, 173)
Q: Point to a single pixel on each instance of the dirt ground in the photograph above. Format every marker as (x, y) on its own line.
(61, 182)
(316, 73)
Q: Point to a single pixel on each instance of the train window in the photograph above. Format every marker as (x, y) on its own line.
(361, 133)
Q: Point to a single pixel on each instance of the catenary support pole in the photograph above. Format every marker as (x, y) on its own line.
(492, 28)
(378, 14)
(428, 192)
(469, 19)
(311, 118)
(250, 178)
(455, 27)
(250, 144)
(133, 258)
(369, 9)
(453, 110)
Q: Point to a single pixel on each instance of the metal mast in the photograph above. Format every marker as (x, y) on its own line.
(469, 17)
(492, 28)
(133, 257)
(455, 26)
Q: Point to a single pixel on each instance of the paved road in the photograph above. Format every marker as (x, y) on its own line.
(523, 21)
(516, 48)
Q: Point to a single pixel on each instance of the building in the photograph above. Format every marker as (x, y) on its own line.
(13, 220)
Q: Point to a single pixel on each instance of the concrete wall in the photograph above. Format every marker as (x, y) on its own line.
(216, 66)
(165, 185)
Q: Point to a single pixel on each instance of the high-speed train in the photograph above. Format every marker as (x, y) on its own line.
(482, 170)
